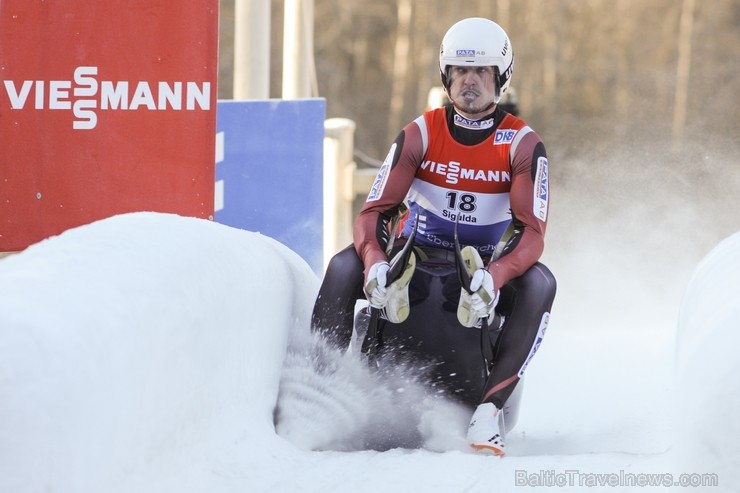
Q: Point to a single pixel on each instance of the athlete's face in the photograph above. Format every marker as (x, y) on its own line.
(472, 89)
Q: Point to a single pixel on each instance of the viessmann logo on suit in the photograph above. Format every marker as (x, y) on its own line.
(454, 171)
(85, 96)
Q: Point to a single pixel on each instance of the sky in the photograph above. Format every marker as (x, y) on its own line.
(150, 352)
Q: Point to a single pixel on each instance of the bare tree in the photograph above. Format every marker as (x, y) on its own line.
(400, 66)
(683, 69)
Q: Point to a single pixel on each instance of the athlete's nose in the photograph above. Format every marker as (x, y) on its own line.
(469, 77)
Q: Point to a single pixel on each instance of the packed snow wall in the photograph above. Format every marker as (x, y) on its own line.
(132, 349)
(707, 367)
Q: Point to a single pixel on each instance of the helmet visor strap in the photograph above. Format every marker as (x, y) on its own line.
(446, 79)
(497, 82)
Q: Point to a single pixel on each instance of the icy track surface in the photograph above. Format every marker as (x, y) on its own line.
(155, 353)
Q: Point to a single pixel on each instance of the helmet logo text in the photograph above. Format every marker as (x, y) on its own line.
(470, 53)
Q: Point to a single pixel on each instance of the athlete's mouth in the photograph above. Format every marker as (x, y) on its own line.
(469, 94)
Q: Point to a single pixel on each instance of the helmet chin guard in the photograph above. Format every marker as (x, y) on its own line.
(477, 42)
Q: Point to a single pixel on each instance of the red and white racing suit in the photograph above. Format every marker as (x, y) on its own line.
(483, 186)
(483, 175)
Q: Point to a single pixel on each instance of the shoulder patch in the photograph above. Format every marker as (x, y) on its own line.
(376, 191)
(541, 190)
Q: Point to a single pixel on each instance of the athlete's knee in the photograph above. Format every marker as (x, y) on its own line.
(539, 283)
(534, 291)
(345, 264)
(544, 280)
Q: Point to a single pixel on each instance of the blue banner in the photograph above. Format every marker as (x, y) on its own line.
(269, 171)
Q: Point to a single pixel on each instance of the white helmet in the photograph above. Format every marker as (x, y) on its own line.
(477, 42)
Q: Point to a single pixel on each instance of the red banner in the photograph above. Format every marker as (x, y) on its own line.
(106, 107)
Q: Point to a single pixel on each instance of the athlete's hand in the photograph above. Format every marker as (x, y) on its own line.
(375, 288)
(484, 297)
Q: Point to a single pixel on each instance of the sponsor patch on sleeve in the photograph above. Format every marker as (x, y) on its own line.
(541, 190)
(376, 191)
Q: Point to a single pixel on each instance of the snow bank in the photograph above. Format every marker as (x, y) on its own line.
(141, 353)
(147, 352)
(708, 400)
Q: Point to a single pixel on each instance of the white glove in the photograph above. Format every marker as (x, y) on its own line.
(484, 299)
(375, 288)
(479, 301)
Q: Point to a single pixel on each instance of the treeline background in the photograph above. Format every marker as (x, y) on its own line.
(592, 70)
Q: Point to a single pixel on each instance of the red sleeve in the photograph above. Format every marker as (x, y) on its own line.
(529, 199)
(387, 194)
